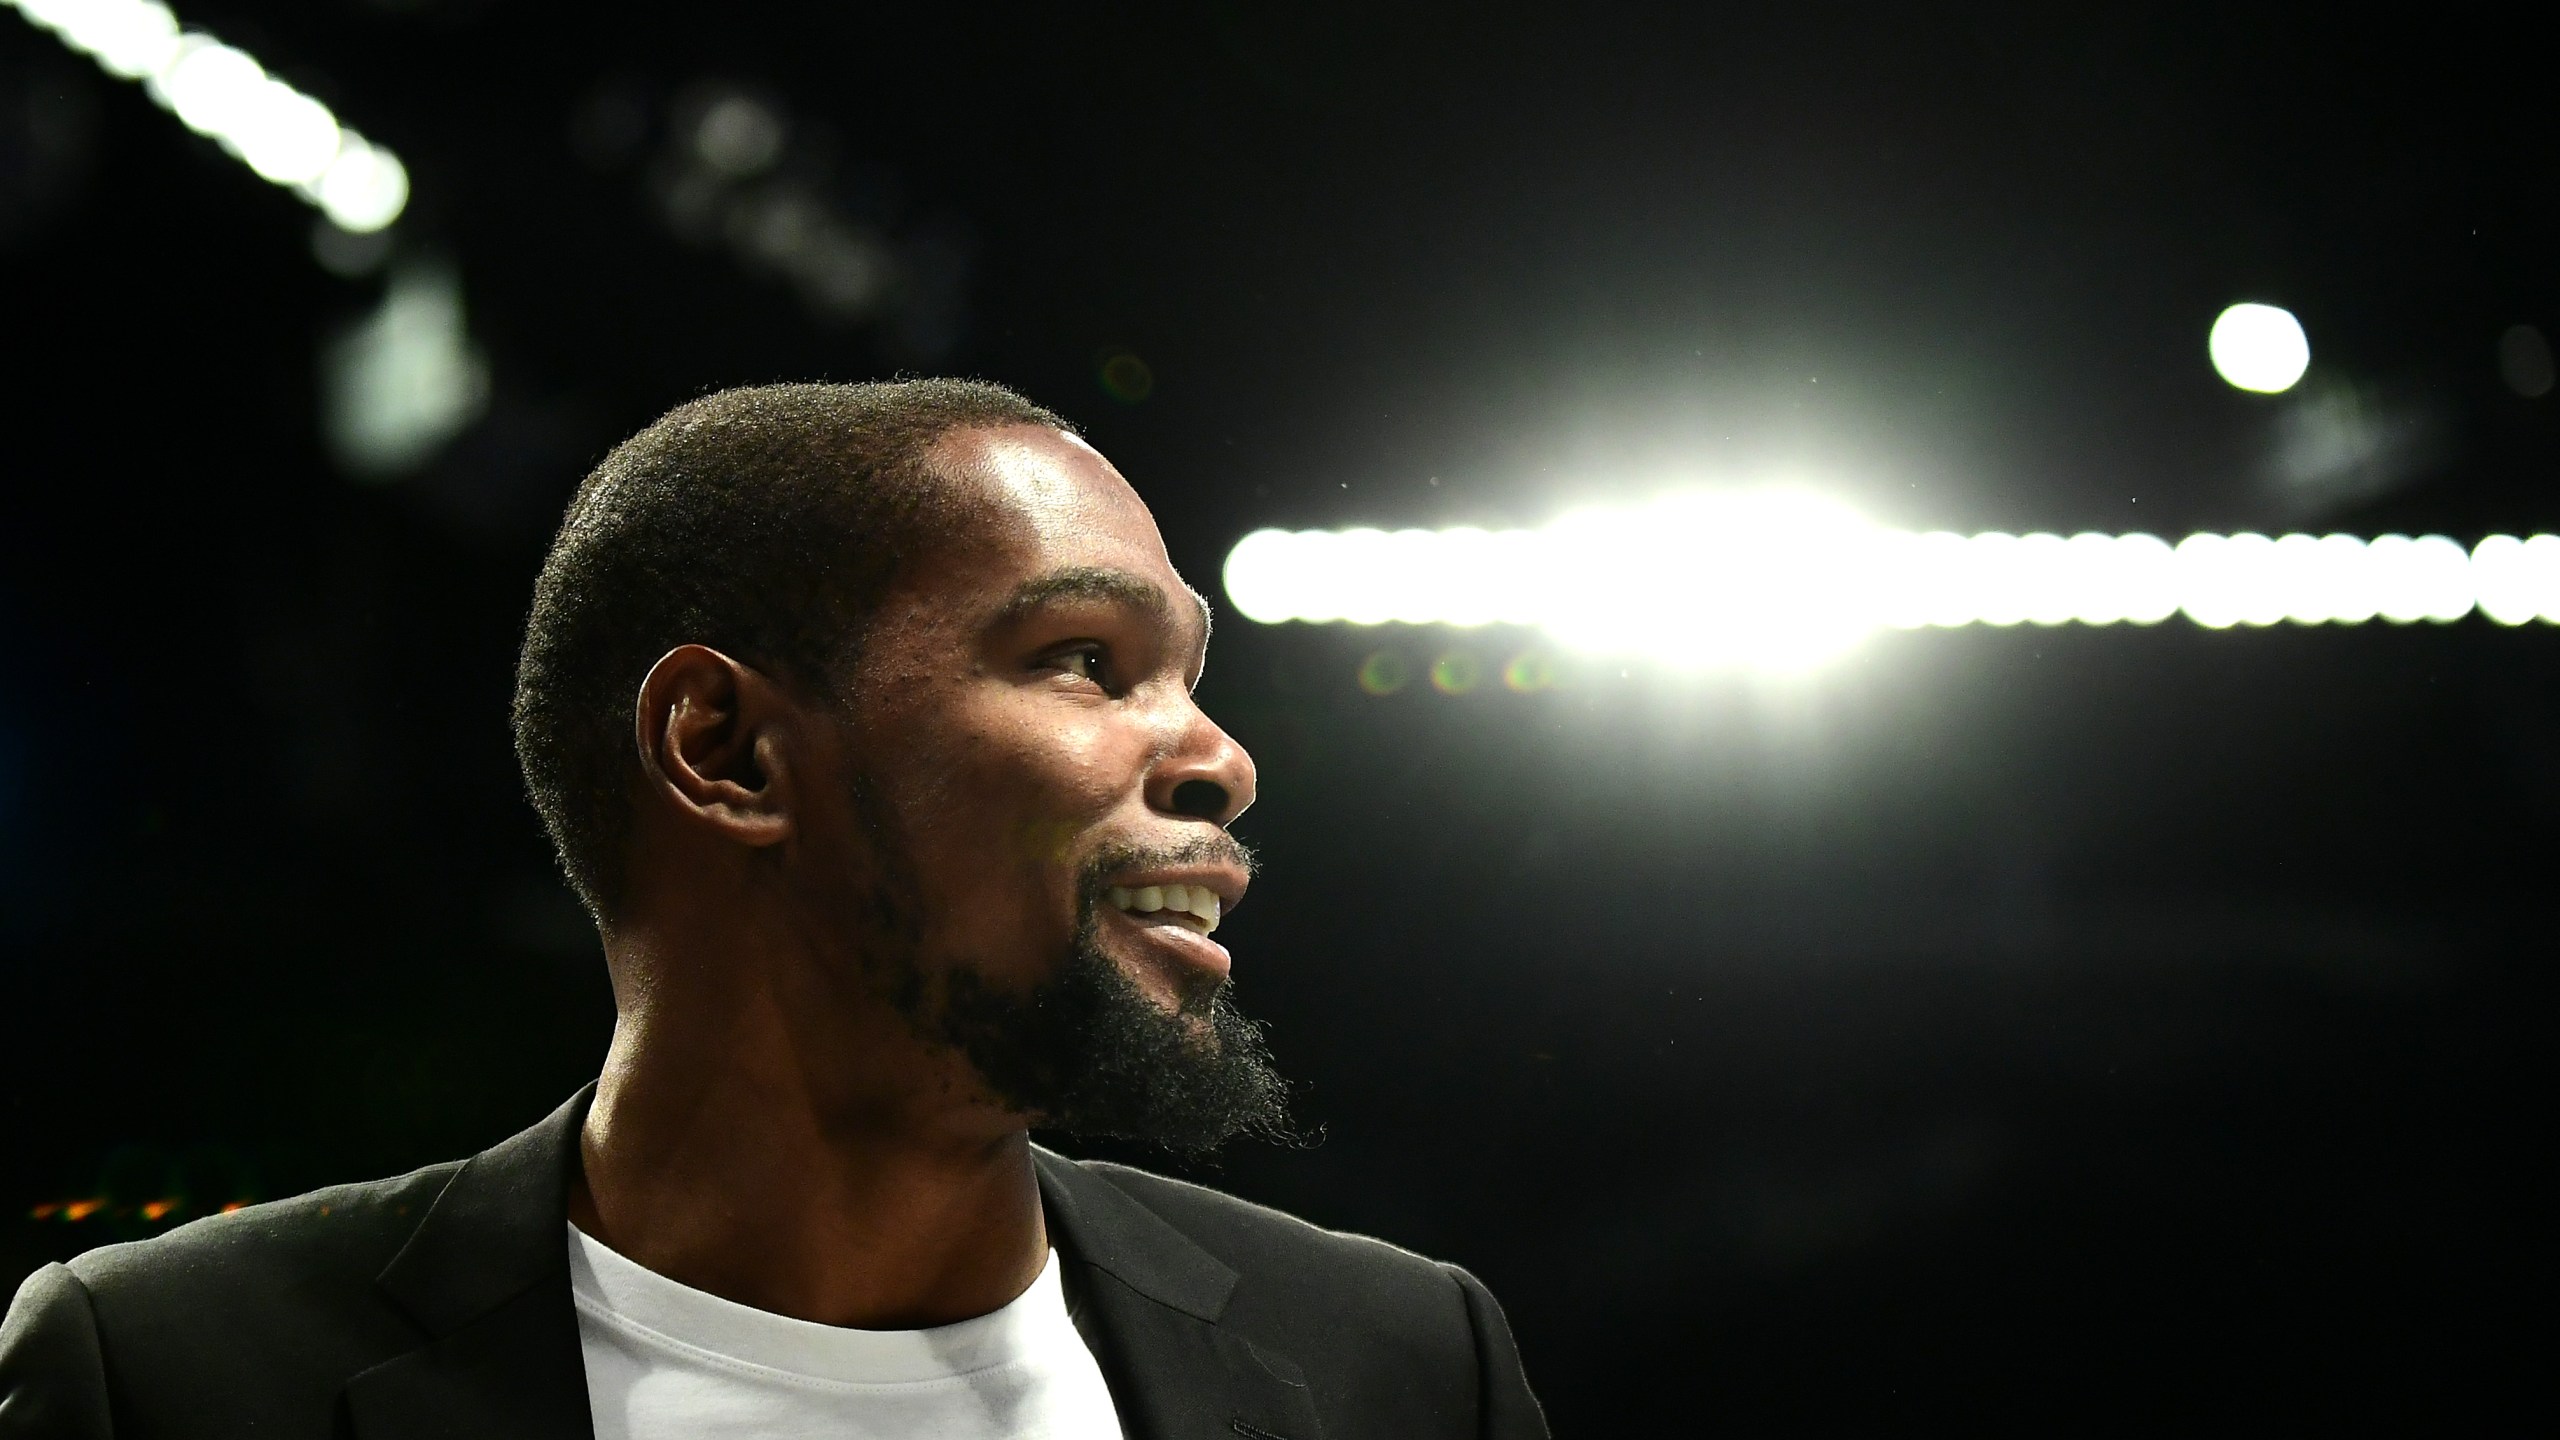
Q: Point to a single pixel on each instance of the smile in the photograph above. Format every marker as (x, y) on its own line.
(1194, 907)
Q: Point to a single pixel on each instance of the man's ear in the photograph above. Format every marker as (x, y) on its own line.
(714, 744)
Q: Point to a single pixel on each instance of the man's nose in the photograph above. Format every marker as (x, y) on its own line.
(1205, 776)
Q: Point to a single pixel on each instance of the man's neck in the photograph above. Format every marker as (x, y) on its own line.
(708, 1165)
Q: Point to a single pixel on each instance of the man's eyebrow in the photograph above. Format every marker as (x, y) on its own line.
(1098, 582)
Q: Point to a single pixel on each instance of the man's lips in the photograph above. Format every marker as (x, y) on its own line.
(1177, 942)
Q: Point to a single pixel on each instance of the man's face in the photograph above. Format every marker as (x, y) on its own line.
(1046, 807)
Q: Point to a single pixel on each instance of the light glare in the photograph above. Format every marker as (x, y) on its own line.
(1770, 579)
(1782, 580)
(364, 189)
(283, 135)
(405, 380)
(2517, 581)
(2259, 348)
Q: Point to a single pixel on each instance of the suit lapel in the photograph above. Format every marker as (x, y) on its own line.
(516, 1373)
(1148, 1302)
(486, 1277)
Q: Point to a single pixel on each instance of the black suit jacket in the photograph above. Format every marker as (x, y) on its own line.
(437, 1305)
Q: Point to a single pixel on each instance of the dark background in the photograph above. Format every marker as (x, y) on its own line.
(2118, 1030)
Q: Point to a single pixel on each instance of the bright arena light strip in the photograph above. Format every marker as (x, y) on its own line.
(287, 137)
(1781, 579)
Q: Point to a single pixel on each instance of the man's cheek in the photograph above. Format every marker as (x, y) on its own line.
(1042, 843)
(1066, 801)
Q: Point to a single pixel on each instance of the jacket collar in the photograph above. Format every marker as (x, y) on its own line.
(1094, 1221)
(1149, 1301)
(486, 1277)
(496, 1230)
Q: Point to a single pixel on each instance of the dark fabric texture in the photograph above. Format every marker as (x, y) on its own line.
(437, 1305)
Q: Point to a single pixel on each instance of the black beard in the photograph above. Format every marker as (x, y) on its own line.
(1085, 1051)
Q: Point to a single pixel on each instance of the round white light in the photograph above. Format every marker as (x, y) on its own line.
(2515, 581)
(2146, 570)
(2208, 590)
(1364, 581)
(211, 87)
(1262, 574)
(2543, 554)
(2428, 578)
(2260, 348)
(2502, 580)
(364, 189)
(2051, 583)
(132, 38)
(287, 137)
(2097, 593)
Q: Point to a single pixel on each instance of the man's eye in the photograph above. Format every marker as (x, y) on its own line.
(1084, 663)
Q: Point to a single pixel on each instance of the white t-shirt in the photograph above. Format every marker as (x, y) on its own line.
(668, 1362)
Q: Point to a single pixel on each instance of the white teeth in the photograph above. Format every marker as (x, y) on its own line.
(1192, 902)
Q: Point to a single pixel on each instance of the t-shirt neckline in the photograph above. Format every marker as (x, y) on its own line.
(621, 1291)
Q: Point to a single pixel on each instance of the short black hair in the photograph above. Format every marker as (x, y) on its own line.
(765, 522)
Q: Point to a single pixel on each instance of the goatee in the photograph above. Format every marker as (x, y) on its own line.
(1089, 1053)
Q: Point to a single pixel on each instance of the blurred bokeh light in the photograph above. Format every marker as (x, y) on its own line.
(1779, 580)
(2259, 347)
(221, 93)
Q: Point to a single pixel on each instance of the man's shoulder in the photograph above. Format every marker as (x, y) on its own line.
(242, 1323)
(1391, 1341)
(344, 1234)
(1286, 1261)
(1220, 1221)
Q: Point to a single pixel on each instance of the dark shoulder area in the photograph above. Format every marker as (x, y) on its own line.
(250, 1323)
(343, 1235)
(1239, 1230)
(1292, 1272)
(1373, 1330)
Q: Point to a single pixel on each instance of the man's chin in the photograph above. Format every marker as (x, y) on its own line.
(1098, 1051)
(1186, 999)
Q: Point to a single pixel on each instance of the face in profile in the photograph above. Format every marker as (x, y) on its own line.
(1043, 808)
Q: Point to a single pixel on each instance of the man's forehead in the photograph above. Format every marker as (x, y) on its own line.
(1071, 526)
(1050, 480)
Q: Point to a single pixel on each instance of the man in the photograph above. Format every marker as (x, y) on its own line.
(862, 719)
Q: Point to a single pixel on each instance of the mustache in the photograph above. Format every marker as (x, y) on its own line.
(1114, 857)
